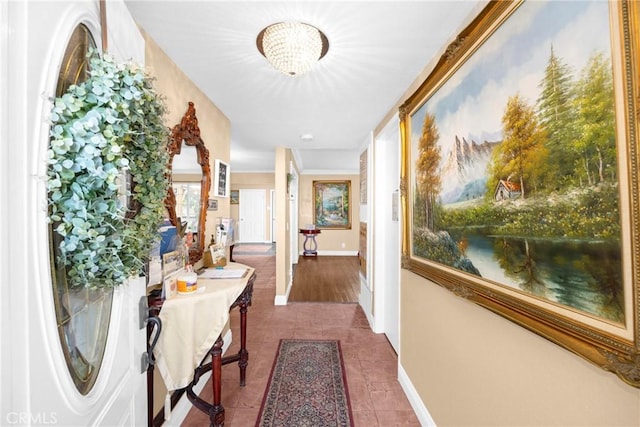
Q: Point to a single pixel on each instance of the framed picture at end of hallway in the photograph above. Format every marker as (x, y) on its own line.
(235, 197)
(520, 188)
(332, 204)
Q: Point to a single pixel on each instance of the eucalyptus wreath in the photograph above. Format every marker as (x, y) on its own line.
(105, 131)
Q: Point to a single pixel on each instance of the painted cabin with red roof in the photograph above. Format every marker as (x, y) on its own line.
(506, 190)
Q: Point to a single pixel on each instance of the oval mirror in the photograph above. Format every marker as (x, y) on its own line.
(190, 178)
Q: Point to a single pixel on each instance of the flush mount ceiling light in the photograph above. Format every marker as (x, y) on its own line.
(292, 47)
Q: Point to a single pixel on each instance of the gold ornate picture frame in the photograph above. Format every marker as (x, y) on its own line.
(519, 180)
(332, 204)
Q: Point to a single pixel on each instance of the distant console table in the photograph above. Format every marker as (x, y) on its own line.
(177, 363)
(310, 245)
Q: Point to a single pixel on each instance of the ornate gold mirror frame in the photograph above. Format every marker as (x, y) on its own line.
(188, 132)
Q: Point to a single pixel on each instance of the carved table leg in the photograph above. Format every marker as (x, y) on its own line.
(244, 354)
(216, 410)
(216, 413)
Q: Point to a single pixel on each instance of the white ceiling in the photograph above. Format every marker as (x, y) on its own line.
(376, 50)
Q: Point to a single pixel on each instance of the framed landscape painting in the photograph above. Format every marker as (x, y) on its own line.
(332, 204)
(235, 197)
(520, 173)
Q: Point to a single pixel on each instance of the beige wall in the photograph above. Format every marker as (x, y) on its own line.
(215, 128)
(215, 131)
(474, 368)
(330, 240)
(260, 181)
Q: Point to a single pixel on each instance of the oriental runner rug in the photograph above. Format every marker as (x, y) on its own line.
(307, 387)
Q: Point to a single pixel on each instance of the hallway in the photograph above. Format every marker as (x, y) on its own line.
(371, 364)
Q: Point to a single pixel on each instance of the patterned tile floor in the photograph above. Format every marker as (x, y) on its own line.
(371, 364)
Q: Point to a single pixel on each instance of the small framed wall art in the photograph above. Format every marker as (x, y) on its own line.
(221, 179)
(235, 197)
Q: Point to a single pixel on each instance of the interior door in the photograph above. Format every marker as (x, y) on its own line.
(252, 218)
(37, 386)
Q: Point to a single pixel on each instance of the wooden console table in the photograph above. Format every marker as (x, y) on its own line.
(310, 238)
(181, 370)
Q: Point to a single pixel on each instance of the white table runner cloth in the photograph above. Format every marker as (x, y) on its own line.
(192, 323)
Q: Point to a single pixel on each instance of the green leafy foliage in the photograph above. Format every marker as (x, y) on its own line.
(582, 214)
(596, 144)
(557, 116)
(104, 129)
(427, 174)
(521, 154)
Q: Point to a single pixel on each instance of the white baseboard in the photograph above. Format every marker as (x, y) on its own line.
(183, 406)
(364, 299)
(336, 253)
(414, 399)
(283, 299)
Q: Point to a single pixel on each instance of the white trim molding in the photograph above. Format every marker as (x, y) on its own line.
(414, 399)
(330, 172)
(281, 299)
(284, 299)
(335, 253)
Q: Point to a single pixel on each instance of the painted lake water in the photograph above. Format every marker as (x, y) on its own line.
(582, 275)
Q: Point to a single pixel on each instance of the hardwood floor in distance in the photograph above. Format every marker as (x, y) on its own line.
(326, 279)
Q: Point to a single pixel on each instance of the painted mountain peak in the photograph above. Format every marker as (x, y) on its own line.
(464, 171)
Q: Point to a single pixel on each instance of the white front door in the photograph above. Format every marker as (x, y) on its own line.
(252, 218)
(37, 387)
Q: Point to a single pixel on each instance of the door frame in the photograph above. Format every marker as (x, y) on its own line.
(387, 232)
(293, 216)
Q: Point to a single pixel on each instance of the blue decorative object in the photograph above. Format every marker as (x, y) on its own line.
(169, 236)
